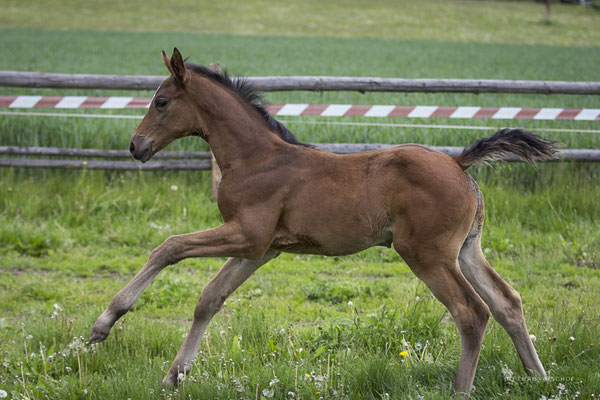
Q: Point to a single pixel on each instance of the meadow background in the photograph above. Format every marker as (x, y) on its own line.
(309, 327)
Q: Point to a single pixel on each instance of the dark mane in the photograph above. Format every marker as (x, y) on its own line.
(249, 93)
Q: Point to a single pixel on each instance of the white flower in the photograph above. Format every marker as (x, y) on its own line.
(3, 394)
(268, 393)
(174, 187)
(57, 307)
(572, 339)
(180, 377)
(507, 372)
(350, 303)
(533, 338)
(238, 385)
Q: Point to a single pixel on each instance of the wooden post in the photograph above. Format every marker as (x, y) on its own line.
(216, 171)
(216, 177)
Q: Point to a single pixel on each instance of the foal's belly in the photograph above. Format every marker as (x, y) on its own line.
(332, 244)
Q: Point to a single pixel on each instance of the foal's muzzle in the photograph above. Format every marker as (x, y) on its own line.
(140, 148)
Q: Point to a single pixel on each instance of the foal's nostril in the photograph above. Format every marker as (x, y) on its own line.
(140, 148)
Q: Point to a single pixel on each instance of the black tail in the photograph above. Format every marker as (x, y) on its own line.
(508, 144)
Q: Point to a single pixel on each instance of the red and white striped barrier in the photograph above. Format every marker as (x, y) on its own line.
(324, 110)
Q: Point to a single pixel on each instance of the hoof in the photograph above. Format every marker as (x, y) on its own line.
(97, 336)
(100, 330)
(169, 381)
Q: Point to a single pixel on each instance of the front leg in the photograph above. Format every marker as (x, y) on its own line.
(227, 240)
(233, 273)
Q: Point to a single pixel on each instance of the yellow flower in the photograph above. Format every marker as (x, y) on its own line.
(403, 353)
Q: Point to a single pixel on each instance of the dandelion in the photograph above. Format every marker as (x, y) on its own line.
(3, 394)
(350, 304)
(507, 372)
(57, 307)
(268, 393)
(174, 187)
(572, 339)
(403, 353)
(533, 338)
(237, 384)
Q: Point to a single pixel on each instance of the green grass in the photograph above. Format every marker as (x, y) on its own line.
(479, 21)
(75, 245)
(325, 327)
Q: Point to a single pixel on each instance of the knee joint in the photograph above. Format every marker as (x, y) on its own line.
(208, 305)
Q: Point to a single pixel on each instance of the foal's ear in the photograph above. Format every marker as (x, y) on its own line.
(176, 66)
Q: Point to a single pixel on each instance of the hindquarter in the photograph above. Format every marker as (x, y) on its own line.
(433, 217)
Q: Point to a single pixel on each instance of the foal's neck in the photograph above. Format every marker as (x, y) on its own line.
(234, 130)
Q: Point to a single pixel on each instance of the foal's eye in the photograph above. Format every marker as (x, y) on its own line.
(161, 102)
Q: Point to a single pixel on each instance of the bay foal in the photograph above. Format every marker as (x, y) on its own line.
(277, 194)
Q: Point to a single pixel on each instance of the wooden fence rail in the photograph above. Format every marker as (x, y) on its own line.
(585, 155)
(108, 165)
(100, 153)
(309, 83)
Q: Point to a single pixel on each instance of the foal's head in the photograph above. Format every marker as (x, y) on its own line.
(192, 91)
(171, 114)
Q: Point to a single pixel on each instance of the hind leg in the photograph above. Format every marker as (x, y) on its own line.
(443, 277)
(503, 300)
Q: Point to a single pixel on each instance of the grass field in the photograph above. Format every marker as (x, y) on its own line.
(353, 327)
(456, 20)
